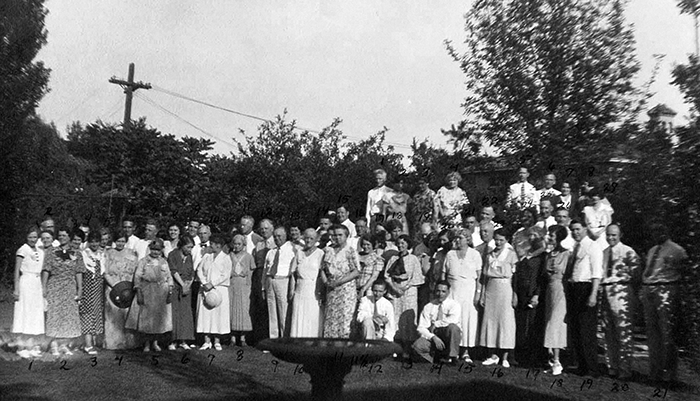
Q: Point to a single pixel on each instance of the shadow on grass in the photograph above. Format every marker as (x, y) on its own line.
(19, 391)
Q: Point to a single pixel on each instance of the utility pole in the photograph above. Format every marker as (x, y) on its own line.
(129, 88)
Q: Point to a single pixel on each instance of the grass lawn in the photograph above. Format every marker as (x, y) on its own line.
(246, 373)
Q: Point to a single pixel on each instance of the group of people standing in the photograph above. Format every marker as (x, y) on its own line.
(420, 271)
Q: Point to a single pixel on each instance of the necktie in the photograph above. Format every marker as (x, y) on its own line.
(650, 269)
(572, 262)
(522, 193)
(610, 263)
(98, 269)
(440, 314)
(275, 264)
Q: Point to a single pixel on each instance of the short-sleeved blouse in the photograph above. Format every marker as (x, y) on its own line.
(451, 202)
(414, 273)
(32, 260)
(503, 265)
(462, 269)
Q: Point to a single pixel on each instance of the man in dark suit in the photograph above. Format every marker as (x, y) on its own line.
(258, 304)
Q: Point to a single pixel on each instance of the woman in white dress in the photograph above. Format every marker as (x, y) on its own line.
(306, 301)
(598, 217)
(214, 272)
(28, 294)
(462, 271)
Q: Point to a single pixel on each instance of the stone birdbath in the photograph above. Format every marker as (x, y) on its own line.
(328, 360)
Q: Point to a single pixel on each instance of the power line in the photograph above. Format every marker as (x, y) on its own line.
(154, 104)
(228, 110)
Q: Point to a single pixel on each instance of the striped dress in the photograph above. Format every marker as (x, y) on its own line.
(239, 290)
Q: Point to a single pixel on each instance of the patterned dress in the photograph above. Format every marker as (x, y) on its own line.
(406, 305)
(62, 316)
(183, 320)
(450, 205)
(370, 264)
(155, 315)
(239, 291)
(29, 310)
(92, 306)
(119, 266)
(422, 208)
(341, 301)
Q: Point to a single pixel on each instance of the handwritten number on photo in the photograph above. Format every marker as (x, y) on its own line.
(532, 373)
(63, 365)
(119, 358)
(436, 367)
(93, 361)
(299, 369)
(588, 383)
(211, 358)
(569, 171)
(275, 362)
(185, 359)
(465, 368)
(154, 360)
(30, 364)
(239, 355)
(497, 372)
(591, 171)
(557, 382)
(616, 387)
(660, 393)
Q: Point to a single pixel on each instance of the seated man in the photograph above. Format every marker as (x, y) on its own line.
(439, 327)
(376, 314)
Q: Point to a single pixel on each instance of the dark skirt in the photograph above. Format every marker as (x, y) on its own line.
(92, 305)
(183, 320)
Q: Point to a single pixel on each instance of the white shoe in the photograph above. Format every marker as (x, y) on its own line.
(205, 346)
(217, 347)
(172, 347)
(505, 363)
(156, 348)
(491, 361)
(557, 369)
(185, 346)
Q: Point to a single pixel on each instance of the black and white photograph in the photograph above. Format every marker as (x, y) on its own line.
(350, 200)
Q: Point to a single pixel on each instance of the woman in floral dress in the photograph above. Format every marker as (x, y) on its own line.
(423, 208)
(340, 269)
(62, 278)
(451, 200)
(120, 265)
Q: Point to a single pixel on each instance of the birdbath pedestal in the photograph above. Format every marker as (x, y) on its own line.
(328, 360)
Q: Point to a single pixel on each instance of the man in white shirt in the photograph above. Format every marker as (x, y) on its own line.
(258, 313)
(374, 196)
(439, 327)
(548, 192)
(343, 218)
(142, 245)
(376, 314)
(280, 263)
(522, 193)
(582, 277)
(471, 224)
(566, 200)
(361, 229)
(546, 219)
(201, 249)
(193, 230)
(664, 270)
(561, 216)
(619, 264)
(132, 241)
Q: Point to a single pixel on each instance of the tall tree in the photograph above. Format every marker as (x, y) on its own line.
(547, 76)
(23, 82)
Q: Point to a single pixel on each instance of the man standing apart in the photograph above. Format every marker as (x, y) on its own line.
(619, 263)
(280, 263)
(582, 277)
(374, 197)
(438, 327)
(522, 193)
(665, 262)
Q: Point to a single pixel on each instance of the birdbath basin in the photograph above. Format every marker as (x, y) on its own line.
(328, 360)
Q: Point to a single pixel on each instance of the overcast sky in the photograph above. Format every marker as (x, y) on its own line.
(371, 63)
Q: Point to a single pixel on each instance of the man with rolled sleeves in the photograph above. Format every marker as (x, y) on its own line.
(582, 277)
(619, 263)
(660, 280)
